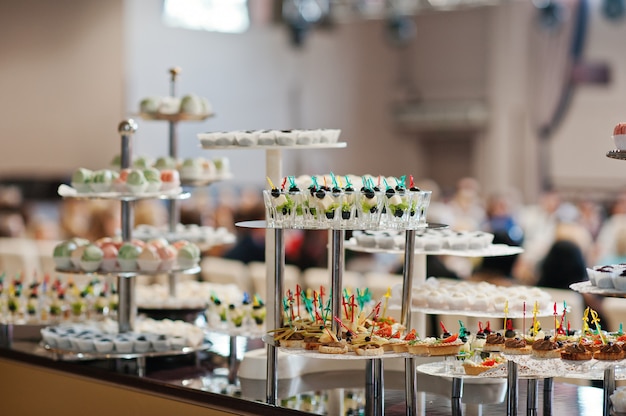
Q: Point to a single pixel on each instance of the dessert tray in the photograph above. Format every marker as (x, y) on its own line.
(321, 138)
(493, 250)
(117, 271)
(269, 340)
(175, 116)
(531, 368)
(94, 355)
(338, 145)
(588, 287)
(66, 191)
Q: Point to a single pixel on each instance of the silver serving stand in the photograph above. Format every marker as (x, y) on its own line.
(374, 382)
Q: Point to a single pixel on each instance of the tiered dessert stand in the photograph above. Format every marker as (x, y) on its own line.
(127, 308)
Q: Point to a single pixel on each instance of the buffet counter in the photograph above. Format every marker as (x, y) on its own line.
(33, 384)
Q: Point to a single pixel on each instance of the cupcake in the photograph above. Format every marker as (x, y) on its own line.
(76, 256)
(267, 138)
(192, 168)
(149, 259)
(222, 166)
(168, 257)
(119, 183)
(188, 256)
(91, 258)
(247, 138)
(127, 257)
(165, 162)
(195, 105)
(142, 162)
(102, 180)
(619, 136)
(136, 181)
(170, 180)
(62, 254)
(81, 180)
(153, 178)
(149, 105)
(286, 137)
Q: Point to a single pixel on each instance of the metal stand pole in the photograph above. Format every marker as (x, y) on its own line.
(272, 358)
(410, 378)
(532, 397)
(609, 388)
(374, 392)
(336, 275)
(457, 395)
(548, 389)
(232, 360)
(511, 394)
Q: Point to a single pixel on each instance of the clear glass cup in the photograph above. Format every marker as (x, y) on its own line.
(369, 208)
(424, 204)
(280, 208)
(397, 209)
(348, 209)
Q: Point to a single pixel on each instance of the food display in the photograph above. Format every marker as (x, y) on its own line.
(102, 337)
(476, 298)
(426, 240)
(254, 138)
(49, 301)
(346, 202)
(191, 170)
(113, 255)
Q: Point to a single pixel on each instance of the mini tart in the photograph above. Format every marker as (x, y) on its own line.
(294, 341)
(609, 352)
(546, 348)
(397, 345)
(418, 347)
(370, 350)
(516, 346)
(474, 369)
(441, 348)
(333, 348)
(312, 343)
(576, 352)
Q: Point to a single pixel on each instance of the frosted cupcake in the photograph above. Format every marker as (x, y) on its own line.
(191, 168)
(188, 256)
(91, 258)
(153, 178)
(102, 180)
(170, 180)
(149, 259)
(165, 162)
(62, 254)
(127, 257)
(81, 180)
(619, 136)
(136, 181)
(168, 257)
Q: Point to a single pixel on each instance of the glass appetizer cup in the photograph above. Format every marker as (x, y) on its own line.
(369, 208)
(397, 209)
(280, 208)
(423, 207)
(348, 209)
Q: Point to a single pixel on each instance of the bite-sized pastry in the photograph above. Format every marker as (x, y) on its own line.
(102, 180)
(516, 346)
(170, 179)
(494, 342)
(62, 254)
(450, 345)
(165, 162)
(286, 137)
(334, 347)
(188, 255)
(127, 256)
(247, 138)
(149, 104)
(169, 105)
(609, 352)
(294, 340)
(153, 178)
(91, 258)
(369, 350)
(136, 181)
(619, 136)
(196, 105)
(473, 369)
(546, 348)
(576, 352)
(267, 138)
(149, 259)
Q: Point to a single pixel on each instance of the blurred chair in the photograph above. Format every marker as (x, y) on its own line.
(258, 273)
(220, 270)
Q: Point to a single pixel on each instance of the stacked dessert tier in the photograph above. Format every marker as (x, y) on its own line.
(204, 236)
(113, 255)
(149, 336)
(189, 107)
(270, 138)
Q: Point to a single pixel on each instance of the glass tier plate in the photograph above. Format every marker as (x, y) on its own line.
(243, 331)
(268, 339)
(532, 368)
(494, 250)
(66, 191)
(176, 117)
(122, 273)
(94, 355)
(587, 287)
(617, 154)
(263, 224)
(338, 145)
